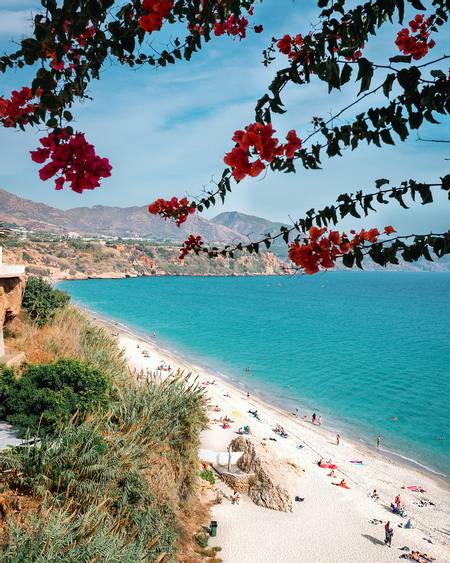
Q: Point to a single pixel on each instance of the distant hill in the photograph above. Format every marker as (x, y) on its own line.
(250, 226)
(125, 222)
(253, 228)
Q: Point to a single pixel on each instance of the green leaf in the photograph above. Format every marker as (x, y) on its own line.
(365, 74)
(417, 4)
(52, 122)
(387, 85)
(346, 73)
(400, 59)
(436, 73)
(386, 137)
(381, 182)
(408, 78)
(348, 260)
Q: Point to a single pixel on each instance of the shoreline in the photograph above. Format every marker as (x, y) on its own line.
(263, 398)
(331, 524)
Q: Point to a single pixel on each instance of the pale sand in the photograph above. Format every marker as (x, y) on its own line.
(332, 524)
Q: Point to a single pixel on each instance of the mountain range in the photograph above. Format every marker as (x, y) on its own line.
(128, 222)
(136, 222)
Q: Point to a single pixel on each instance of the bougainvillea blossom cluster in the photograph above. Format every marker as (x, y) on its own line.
(70, 59)
(172, 209)
(72, 159)
(191, 244)
(415, 45)
(257, 139)
(235, 26)
(322, 247)
(17, 108)
(291, 46)
(157, 12)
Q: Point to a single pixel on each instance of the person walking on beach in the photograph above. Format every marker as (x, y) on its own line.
(388, 533)
(313, 418)
(378, 441)
(338, 439)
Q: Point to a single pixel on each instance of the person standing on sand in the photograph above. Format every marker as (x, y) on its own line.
(338, 439)
(378, 441)
(388, 533)
(313, 418)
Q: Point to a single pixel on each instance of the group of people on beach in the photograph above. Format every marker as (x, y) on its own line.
(317, 420)
(397, 507)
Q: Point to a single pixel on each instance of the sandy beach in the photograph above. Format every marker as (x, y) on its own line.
(332, 523)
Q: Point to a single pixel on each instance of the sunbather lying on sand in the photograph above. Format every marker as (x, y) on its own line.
(417, 556)
(280, 431)
(342, 484)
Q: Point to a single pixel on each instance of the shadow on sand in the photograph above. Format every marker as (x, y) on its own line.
(375, 541)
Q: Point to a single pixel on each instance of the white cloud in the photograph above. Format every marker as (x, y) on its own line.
(14, 23)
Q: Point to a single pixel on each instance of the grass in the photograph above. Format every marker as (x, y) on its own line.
(119, 485)
(70, 335)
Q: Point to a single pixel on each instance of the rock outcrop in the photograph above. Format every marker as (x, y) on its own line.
(265, 488)
(11, 294)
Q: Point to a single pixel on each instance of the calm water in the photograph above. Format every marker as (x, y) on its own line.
(358, 348)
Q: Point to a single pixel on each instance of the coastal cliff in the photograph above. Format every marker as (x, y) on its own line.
(75, 259)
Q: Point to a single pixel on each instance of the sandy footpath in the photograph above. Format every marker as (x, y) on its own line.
(332, 524)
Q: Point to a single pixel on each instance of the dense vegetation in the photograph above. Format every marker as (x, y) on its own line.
(41, 301)
(48, 395)
(117, 484)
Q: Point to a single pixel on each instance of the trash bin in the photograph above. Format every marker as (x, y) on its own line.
(213, 529)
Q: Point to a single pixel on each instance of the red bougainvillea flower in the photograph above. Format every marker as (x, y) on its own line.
(66, 59)
(322, 247)
(157, 11)
(72, 160)
(17, 108)
(191, 244)
(292, 145)
(233, 25)
(83, 38)
(291, 46)
(172, 209)
(356, 55)
(257, 139)
(415, 45)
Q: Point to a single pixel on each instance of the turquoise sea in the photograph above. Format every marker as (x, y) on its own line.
(357, 348)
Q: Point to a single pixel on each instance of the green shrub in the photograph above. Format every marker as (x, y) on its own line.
(201, 540)
(120, 469)
(41, 301)
(208, 475)
(48, 395)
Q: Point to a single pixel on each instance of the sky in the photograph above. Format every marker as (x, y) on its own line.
(166, 130)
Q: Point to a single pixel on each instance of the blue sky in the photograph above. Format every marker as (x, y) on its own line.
(165, 131)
